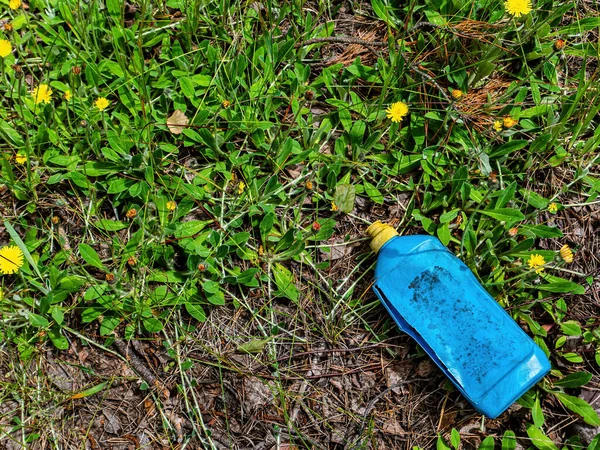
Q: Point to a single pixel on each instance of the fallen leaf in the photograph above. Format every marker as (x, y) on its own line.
(177, 122)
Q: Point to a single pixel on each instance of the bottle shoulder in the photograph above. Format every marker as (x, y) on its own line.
(411, 253)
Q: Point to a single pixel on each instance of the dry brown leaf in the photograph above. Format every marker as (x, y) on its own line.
(177, 122)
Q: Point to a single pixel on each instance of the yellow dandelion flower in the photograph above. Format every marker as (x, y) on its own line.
(509, 122)
(517, 8)
(20, 158)
(226, 104)
(457, 93)
(566, 254)
(171, 205)
(102, 103)
(334, 207)
(397, 111)
(14, 4)
(498, 125)
(241, 187)
(11, 259)
(536, 262)
(68, 95)
(5, 48)
(552, 208)
(42, 94)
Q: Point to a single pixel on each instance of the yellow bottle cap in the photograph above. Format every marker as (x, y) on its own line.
(380, 233)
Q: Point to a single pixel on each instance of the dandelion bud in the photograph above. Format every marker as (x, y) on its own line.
(566, 254)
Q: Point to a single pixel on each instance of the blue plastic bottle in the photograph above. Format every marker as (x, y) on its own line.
(435, 298)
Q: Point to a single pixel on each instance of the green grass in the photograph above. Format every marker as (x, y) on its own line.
(284, 158)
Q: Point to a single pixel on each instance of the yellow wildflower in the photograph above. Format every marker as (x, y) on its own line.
(536, 262)
(457, 93)
(241, 187)
(552, 208)
(498, 125)
(68, 95)
(517, 8)
(102, 103)
(5, 48)
(334, 207)
(20, 158)
(566, 254)
(397, 111)
(226, 104)
(14, 4)
(11, 259)
(171, 205)
(42, 94)
(509, 122)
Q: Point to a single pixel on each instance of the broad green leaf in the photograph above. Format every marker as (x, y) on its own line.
(211, 287)
(595, 444)
(266, 225)
(373, 193)
(581, 407)
(71, 283)
(441, 444)
(579, 27)
(57, 338)
(541, 231)
(562, 287)
(285, 282)
(109, 323)
(114, 8)
(110, 225)
(38, 321)
(196, 311)
(487, 444)
(455, 438)
(509, 440)
(506, 195)
(443, 234)
(90, 256)
(572, 357)
(534, 199)
(504, 214)
(536, 413)
(449, 215)
(574, 380)
(344, 197)
(539, 439)
(217, 298)
(570, 328)
(508, 148)
(357, 132)
(190, 229)
(152, 325)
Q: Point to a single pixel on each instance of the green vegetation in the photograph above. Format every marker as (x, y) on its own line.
(162, 160)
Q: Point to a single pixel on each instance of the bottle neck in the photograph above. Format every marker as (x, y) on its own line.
(380, 233)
